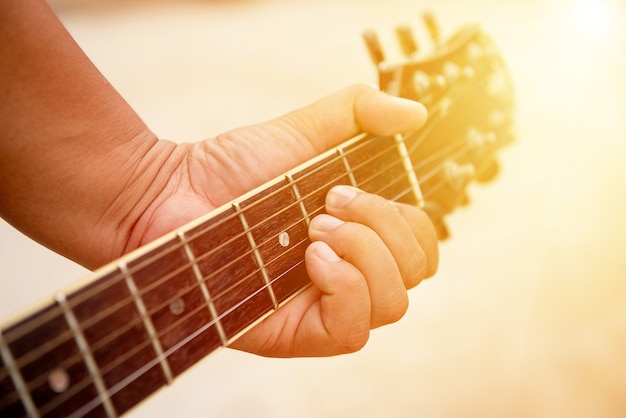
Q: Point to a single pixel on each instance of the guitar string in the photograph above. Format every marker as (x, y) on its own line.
(86, 324)
(98, 289)
(336, 158)
(162, 332)
(51, 345)
(156, 360)
(102, 342)
(333, 160)
(53, 313)
(422, 134)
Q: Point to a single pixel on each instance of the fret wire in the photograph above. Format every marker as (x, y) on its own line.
(357, 146)
(16, 377)
(186, 266)
(408, 167)
(71, 391)
(147, 322)
(90, 362)
(97, 289)
(157, 256)
(433, 189)
(143, 369)
(206, 326)
(346, 165)
(205, 291)
(360, 145)
(124, 302)
(255, 252)
(422, 134)
(25, 359)
(296, 193)
(80, 298)
(424, 179)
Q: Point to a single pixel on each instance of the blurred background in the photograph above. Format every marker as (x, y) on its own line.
(527, 315)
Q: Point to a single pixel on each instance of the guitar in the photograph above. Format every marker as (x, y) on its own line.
(104, 344)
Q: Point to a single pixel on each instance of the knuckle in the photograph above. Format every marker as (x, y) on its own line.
(352, 343)
(394, 311)
(416, 268)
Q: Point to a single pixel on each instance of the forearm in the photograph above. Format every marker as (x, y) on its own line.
(75, 159)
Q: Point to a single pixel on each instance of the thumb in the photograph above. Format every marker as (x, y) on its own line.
(353, 110)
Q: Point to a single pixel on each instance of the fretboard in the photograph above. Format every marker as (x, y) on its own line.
(100, 347)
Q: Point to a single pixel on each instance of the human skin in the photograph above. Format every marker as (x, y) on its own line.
(83, 175)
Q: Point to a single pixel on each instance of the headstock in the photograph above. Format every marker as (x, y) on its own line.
(465, 86)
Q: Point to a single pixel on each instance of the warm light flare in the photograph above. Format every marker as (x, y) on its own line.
(594, 18)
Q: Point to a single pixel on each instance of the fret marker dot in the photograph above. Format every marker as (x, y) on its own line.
(177, 307)
(283, 239)
(59, 380)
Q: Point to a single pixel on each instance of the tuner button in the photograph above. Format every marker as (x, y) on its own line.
(496, 118)
(477, 139)
(474, 52)
(488, 172)
(406, 40)
(440, 82)
(421, 82)
(457, 176)
(468, 73)
(451, 71)
(373, 46)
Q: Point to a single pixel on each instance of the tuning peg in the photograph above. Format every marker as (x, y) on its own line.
(406, 40)
(480, 140)
(468, 73)
(488, 172)
(436, 213)
(421, 83)
(457, 176)
(373, 46)
(432, 26)
(474, 52)
(451, 71)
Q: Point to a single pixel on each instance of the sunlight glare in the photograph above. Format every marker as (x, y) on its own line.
(594, 19)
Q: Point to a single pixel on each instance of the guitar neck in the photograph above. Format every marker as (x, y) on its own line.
(144, 319)
(134, 325)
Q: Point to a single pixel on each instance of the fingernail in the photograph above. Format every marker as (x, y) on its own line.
(340, 196)
(325, 253)
(325, 222)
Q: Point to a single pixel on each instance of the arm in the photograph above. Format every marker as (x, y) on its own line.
(74, 157)
(84, 176)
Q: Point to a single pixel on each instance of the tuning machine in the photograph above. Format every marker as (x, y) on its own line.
(458, 175)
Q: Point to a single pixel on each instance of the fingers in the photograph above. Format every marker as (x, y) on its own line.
(352, 205)
(362, 248)
(356, 109)
(344, 308)
(392, 245)
(331, 318)
(424, 231)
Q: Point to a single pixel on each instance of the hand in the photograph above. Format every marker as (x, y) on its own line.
(366, 252)
(84, 176)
